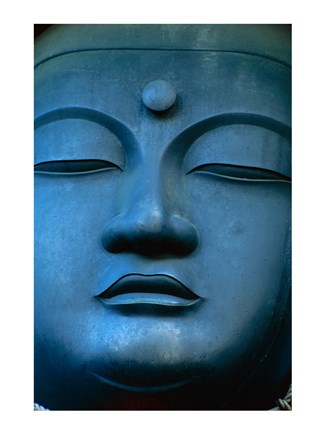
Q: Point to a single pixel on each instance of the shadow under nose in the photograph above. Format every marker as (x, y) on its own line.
(177, 236)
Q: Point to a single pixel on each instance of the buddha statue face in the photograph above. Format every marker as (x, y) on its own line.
(162, 235)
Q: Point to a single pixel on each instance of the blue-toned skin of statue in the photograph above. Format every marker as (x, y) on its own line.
(187, 209)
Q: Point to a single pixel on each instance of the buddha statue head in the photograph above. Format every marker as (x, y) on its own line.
(162, 216)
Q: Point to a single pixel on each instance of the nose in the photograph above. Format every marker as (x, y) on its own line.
(150, 225)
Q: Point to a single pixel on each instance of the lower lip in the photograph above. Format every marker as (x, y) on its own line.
(148, 298)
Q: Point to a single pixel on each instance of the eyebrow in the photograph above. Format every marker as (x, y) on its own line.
(194, 130)
(198, 129)
(185, 138)
(79, 113)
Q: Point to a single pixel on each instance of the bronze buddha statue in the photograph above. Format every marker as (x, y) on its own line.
(162, 216)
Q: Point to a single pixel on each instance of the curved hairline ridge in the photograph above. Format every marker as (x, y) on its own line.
(264, 56)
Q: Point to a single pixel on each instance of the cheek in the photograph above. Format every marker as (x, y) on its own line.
(69, 217)
(241, 254)
(235, 217)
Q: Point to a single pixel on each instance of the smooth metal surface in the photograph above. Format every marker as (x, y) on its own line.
(162, 239)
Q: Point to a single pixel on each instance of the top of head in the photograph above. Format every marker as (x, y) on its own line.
(265, 40)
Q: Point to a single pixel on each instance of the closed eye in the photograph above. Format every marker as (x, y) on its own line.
(74, 167)
(238, 172)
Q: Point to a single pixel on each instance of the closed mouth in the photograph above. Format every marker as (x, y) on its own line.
(160, 289)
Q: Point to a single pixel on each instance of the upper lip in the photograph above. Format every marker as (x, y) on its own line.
(157, 289)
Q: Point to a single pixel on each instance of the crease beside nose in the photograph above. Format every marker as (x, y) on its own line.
(150, 230)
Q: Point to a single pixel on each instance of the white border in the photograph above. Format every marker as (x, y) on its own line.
(17, 211)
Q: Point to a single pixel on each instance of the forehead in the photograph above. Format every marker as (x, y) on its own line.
(207, 84)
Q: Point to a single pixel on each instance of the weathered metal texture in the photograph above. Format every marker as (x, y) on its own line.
(162, 236)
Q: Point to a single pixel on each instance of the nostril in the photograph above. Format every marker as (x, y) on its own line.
(185, 235)
(177, 236)
(111, 237)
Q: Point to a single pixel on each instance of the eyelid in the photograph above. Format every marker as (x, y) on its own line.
(74, 167)
(241, 173)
